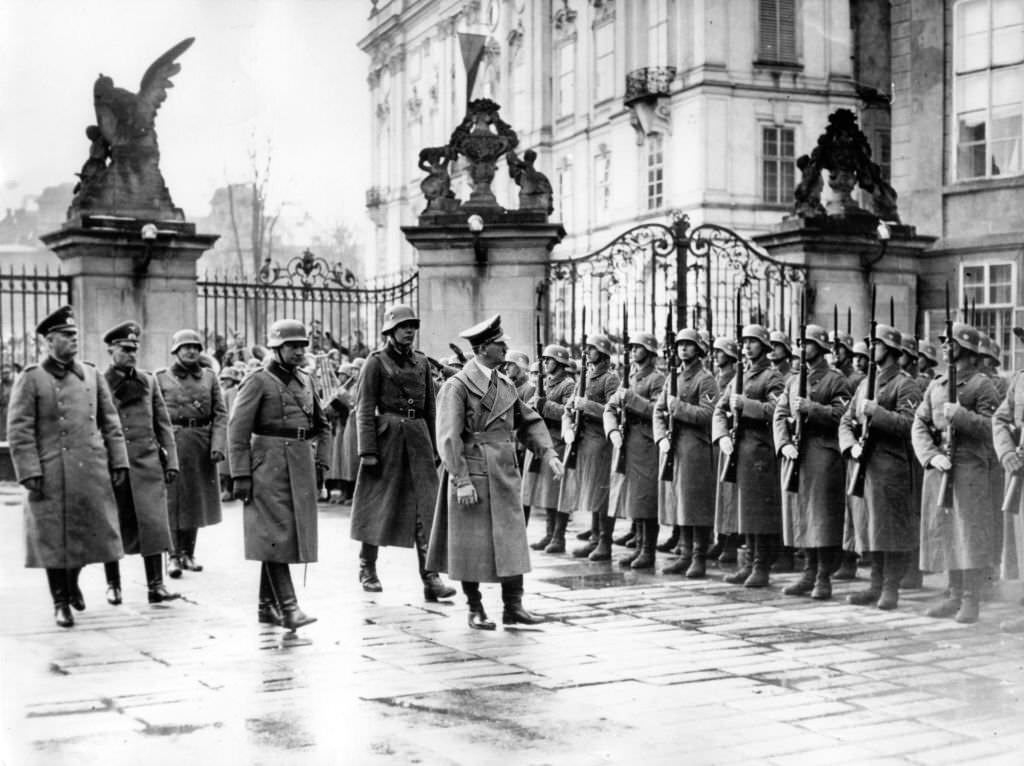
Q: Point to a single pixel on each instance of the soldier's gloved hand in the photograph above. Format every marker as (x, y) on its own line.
(866, 408)
(34, 487)
(941, 462)
(118, 476)
(556, 467)
(241, 488)
(370, 464)
(466, 494)
(950, 409)
(539, 404)
(1012, 462)
(725, 444)
(216, 456)
(800, 405)
(615, 437)
(790, 451)
(664, 447)
(736, 403)
(170, 475)
(856, 451)
(320, 472)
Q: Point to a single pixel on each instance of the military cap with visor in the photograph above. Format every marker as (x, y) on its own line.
(397, 315)
(126, 335)
(61, 319)
(487, 331)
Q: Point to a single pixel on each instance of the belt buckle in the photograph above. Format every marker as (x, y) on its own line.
(300, 433)
(410, 413)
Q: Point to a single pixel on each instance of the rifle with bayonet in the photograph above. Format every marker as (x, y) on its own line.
(729, 467)
(791, 468)
(671, 362)
(945, 495)
(573, 448)
(855, 483)
(535, 460)
(620, 463)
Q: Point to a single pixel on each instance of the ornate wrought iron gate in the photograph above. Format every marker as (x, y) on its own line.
(307, 288)
(26, 296)
(652, 266)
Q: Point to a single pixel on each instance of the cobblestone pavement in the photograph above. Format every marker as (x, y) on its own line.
(631, 667)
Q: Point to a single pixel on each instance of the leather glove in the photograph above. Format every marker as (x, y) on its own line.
(664, 447)
(556, 467)
(242, 489)
(1012, 462)
(941, 462)
(34, 487)
(466, 494)
(790, 451)
(217, 456)
(370, 465)
(856, 451)
(725, 444)
(170, 475)
(736, 403)
(800, 405)
(118, 476)
(867, 408)
(615, 437)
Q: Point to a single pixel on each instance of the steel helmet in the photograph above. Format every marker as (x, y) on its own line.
(686, 335)
(185, 338)
(860, 349)
(989, 348)
(519, 359)
(645, 340)
(286, 331)
(929, 352)
(757, 332)
(398, 314)
(559, 353)
(231, 373)
(601, 342)
(815, 333)
(910, 346)
(842, 339)
(728, 347)
(778, 336)
(965, 336)
(889, 336)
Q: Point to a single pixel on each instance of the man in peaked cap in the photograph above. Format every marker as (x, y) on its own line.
(153, 463)
(68, 450)
(479, 534)
(959, 540)
(200, 419)
(813, 516)
(396, 486)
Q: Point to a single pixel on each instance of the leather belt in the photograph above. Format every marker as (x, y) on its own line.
(411, 413)
(286, 433)
(486, 437)
(191, 422)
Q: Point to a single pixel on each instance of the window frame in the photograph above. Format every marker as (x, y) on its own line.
(602, 91)
(780, 56)
(778, 159)
(565, 105)
(654, 186)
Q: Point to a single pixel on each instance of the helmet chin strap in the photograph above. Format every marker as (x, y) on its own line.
(280, 359)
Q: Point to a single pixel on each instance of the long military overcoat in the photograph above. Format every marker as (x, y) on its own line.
(758, 493)
(963, 537)
(395, 421)
(634, 494)
(228, 395)
(693, 475)
(280, 524)
(476, 428)
(197, 412)
(1007, 424)
(813, 516)
(342, 405)
(726, 519)
(62, 426)
(594, 456)
(885, 518)
(149, 439)
(541, 489)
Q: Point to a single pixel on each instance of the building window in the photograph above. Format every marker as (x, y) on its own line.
(604, 62)
(603, 179)
(657, 33)
(777, 31)
(882, 154)
(566, 78)
(988, 91)
(778, 163)
(655, 171)
(989, 289)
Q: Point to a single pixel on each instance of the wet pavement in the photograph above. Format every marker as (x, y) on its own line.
(631, 667)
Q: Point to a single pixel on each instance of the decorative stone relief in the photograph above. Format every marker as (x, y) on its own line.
(604, 11)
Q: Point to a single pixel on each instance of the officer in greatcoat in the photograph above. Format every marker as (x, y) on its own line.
(876, 432)
(541, 486)
(813, 516)
(958, 540)
(758, 492)
(479, 534)
(153, 463)
(396, 486)
(197, 411)
(686, 418)
(68, 452)
(628, 418)
(727, 356)
(1007, 426)
(279, 440)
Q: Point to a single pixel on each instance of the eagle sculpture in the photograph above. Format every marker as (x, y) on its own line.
(122, 175)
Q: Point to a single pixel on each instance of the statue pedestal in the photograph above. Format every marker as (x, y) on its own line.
(844, 257)
(467, 277)
(118, 275)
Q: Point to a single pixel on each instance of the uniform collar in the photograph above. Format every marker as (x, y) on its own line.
(758, 366)
(181, 371)
(59, 369)
(598, 369)
(282, 373)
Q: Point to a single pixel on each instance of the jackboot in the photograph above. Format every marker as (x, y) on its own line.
(155, 579)
(603, 551)
(58, 582)
(188, 560)
(894, 568)
(746, 566)
(649, 546)
(627, 561)
(847, 567)
(113, 572)
(628, 539)
(368, 569)
(592, 537)
(75, 597)
(826, 563)
(729, 549)
(913, 578)
(434, 588)
(760, 573)
(805, 584)
(557, 544)
(698, 564)
(784, 561)
(477, 618)
(514, 612)
(293, 617)
(673, 540)
(970, 604)
(718, 547)
(682, 564)
(174, 557)
(267, 612)
(950, 606)
(873, 592)
(549, 531)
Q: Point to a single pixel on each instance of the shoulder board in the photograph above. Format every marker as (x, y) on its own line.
(417, 352)
(375, 352)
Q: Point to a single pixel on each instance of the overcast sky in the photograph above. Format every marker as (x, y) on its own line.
(287, 71)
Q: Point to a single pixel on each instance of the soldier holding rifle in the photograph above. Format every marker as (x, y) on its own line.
(727, 362)
(1008, 437)
(952, 436)
(805, 423)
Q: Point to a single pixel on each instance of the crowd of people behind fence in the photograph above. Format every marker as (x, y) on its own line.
(757, 454)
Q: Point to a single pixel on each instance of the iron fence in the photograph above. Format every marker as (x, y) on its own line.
(26, 297)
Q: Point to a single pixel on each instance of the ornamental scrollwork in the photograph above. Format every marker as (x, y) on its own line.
(307, 271)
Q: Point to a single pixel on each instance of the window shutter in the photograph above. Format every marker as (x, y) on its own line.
(768, 13)
(787, 30)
